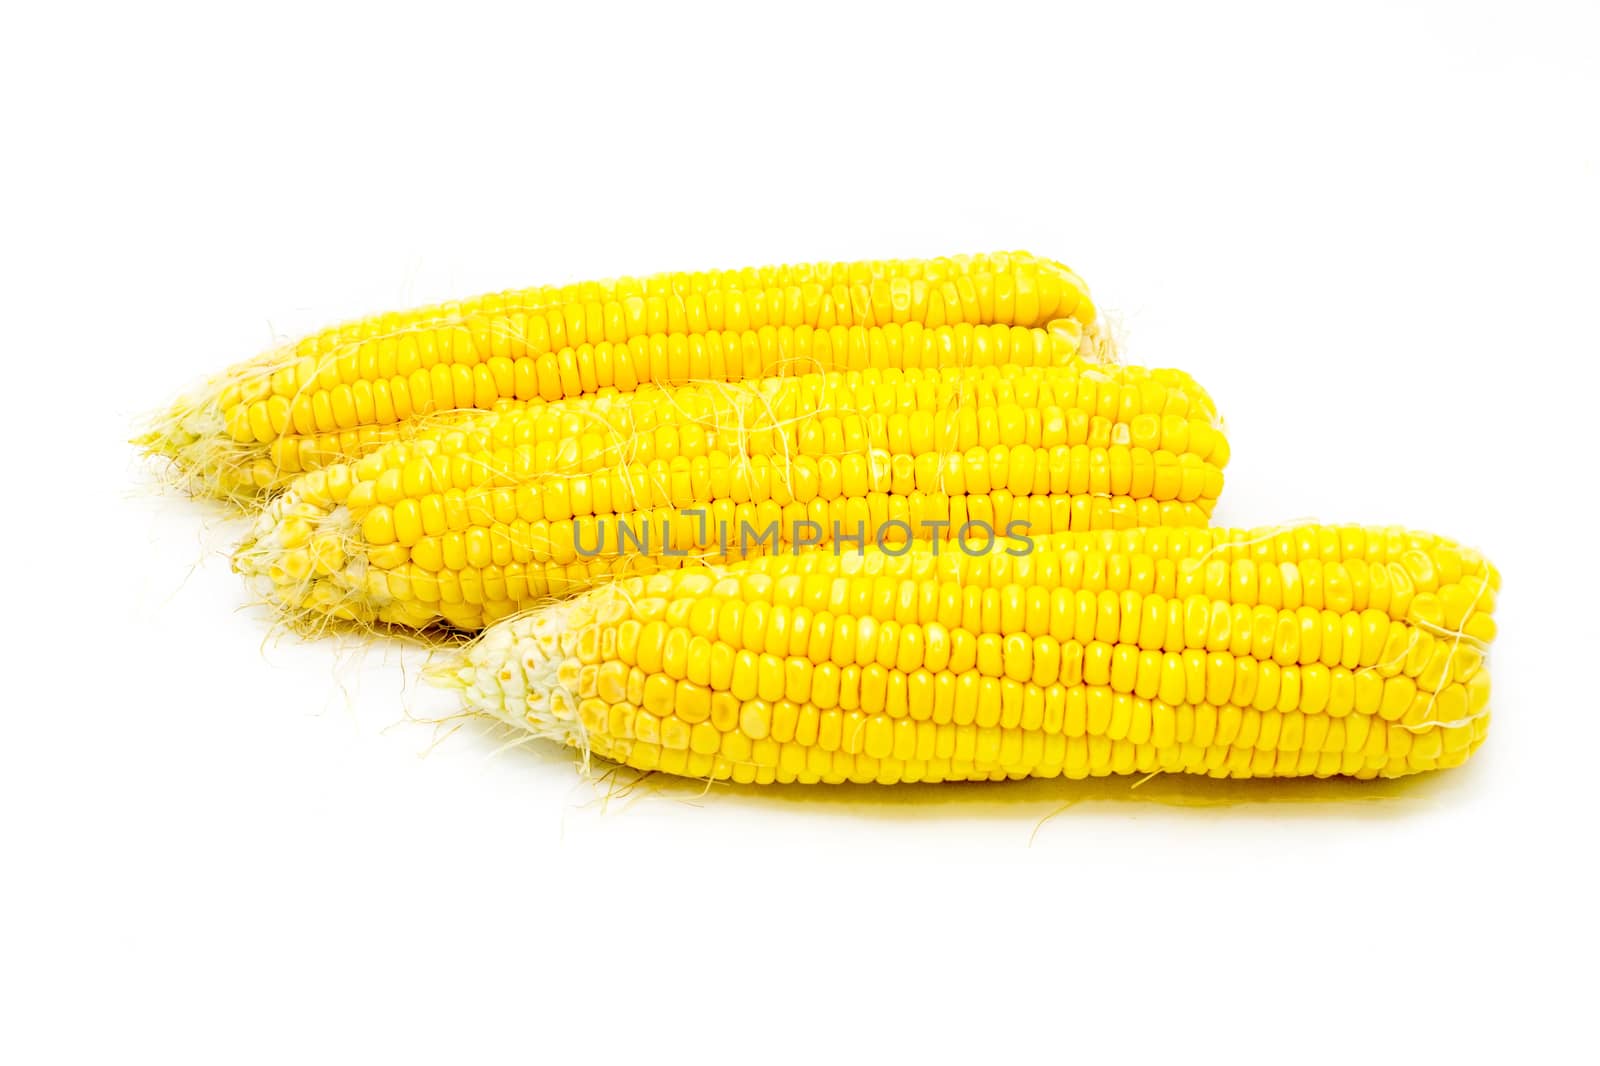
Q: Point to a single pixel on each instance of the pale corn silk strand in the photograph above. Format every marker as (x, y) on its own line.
(527, 674)
(730, 414)
(204, 458)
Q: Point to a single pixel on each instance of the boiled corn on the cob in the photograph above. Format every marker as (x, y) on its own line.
(341, 393)
(476, 523)
(1315, 650)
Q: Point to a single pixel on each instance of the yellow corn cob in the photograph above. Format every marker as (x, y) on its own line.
(471, 525)
(342, 392)
(1315, 650)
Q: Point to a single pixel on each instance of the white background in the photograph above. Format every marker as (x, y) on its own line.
(1370, 230)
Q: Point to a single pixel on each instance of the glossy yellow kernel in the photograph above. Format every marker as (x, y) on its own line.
(378, 526)
(691, 702)
(704, 739)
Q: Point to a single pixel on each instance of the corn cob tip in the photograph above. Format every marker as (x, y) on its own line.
(307, 556)
(204, 456)
(305, 559)
(518, 674)
(197, 461)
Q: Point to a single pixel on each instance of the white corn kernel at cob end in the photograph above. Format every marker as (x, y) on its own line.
(516, 674)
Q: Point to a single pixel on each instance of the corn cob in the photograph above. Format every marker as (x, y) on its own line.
(1315, 650)
(471, 525)
(343, 392)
